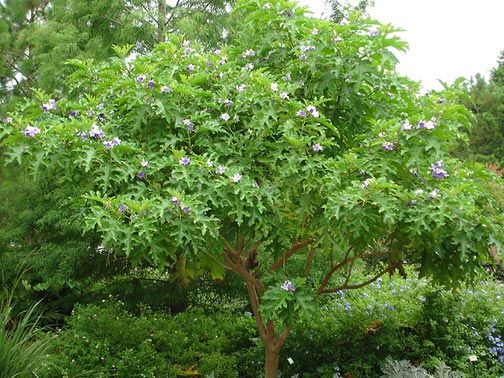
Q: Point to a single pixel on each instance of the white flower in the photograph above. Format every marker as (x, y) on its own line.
(267, 6)
(241, 87)
(313, 111)
(225, 117)
(236, 177)
(220, 169)
(284, 95)
(418, 192)
(274, 87)
(429, 125)
(210, 163)
(406, 125)
(315, 31)
(249, 66)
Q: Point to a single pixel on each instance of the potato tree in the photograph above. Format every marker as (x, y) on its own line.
(295, 145)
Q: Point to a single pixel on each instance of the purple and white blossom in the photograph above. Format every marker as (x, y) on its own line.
(141, 175)
(373, 31)
(388, 146)
(303, 57)
(315, 31)
(288, 77)
(51, 105)
(96, 132)
(304, 49)
(433, 194)
(317, 147)
(406, 126)
(225, 117)
(123, 208)
(112, 143)
(188, 50)
(249, 66)
(267, 6)
(236, 178)
(288, 286)
(241, 87)
(190, 67)
(313, 111)
(437, 170)
(140, 78)
(188, 124)
(175, 201)
(73, 113)
(365, 184)
(209, 63)
(186, 43)
(185, 209)
(220, 170)
(429, 125)
(184, 160)
(144, 163)
(165, 89)
(31, 131)
(301, 113)
(216, 51)
(151, 84)
(228, 103)
(82, 134)
(337, 40)
(284, 95)
(248, 53)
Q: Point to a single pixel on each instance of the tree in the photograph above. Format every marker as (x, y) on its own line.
(294, 146)
(38, 37)
(340, 9)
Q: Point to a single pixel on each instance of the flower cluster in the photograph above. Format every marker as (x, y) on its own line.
(96, 132)
(176, 202)
(51, 105)
(497, 345)
(373, 31)
(248, 53)
(388, 146)
(188, 124)
(310, 109)
(31, 131)
(112, 143)
(367, 182)
(437, 170)
(141, 174)
(429, 125)
(288, 286)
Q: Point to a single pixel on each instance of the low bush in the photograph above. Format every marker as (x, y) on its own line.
(353, 333)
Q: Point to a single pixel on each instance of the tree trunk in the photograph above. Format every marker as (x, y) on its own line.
(161, 20)
(271, 364)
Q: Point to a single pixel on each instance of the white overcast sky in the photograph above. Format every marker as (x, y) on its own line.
(447, 38)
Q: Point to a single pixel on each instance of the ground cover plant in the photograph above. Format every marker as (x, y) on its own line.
(288, 156)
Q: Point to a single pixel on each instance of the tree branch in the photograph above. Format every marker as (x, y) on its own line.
(287, 254)
(355, 286)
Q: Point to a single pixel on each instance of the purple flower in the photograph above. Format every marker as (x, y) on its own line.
(421, 124)
(51, 105)
(151, 84)
(313, 111)
(373, 32)
(440, 101)
(190, 67)
(236, 178)
(288, 286)
(225, 117)
(220, 169)
(31, 131)
(185, 161)
(303, 57)
(217, 52)
(209, 63)
(185, 209)
(228, 103)
(188, 50)
(434, 194)
(437, 170)
(140, 78)
(96, 132)
(366, 183)
(82, 134)
(304, 49)
(388, 146)
(317, 147)
(73, 113)
(112, 143)
(288, 77)
(175, 201)
(301, 113)
(141, 175)
(248, 53)
(165, 89)
(122, 208)
(188, 124)
(406, 126)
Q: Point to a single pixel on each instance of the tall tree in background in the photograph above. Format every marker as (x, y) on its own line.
(37, 37)
(487, 103)
(340, 8)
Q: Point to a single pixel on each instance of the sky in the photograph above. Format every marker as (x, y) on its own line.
(447, 38)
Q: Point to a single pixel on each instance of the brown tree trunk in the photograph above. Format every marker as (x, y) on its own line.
(161, 20)
(271, 363)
